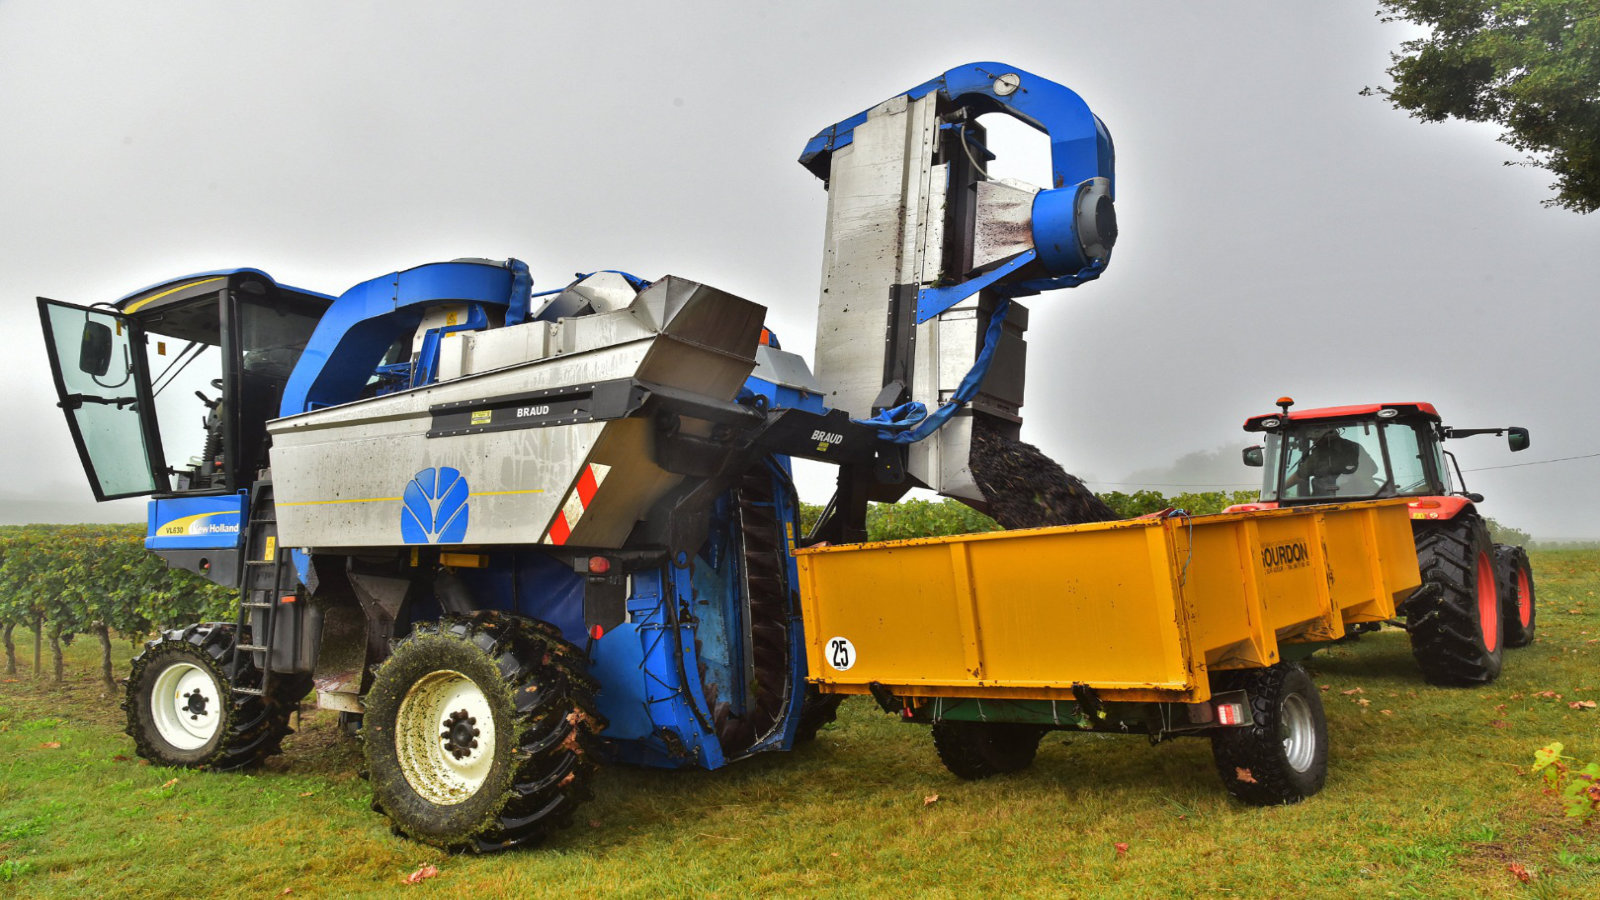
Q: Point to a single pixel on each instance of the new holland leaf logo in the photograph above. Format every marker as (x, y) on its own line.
(435, 508)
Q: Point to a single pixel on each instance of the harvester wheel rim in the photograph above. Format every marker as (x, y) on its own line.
(1299, 733)
(444, 737)
(186, 706)
(1488, 603)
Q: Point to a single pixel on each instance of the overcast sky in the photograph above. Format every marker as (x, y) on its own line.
(1279, 233)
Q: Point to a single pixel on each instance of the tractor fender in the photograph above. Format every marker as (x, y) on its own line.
(1441, 509)
(1250, 507)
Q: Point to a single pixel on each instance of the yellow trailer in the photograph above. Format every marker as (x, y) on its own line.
(1160, 625)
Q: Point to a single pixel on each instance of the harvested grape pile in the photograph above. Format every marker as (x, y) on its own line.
(1027, 489)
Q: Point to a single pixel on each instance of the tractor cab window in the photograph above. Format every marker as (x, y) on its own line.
(1332, 461)
(1406, 459)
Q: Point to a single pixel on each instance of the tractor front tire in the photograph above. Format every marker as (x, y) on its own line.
(1282, 757)
(182, 710)
(974, 750)
(1455, 628)
(1518, 611)
(479, 733)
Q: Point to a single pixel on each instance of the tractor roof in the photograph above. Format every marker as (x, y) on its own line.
(1425, 410)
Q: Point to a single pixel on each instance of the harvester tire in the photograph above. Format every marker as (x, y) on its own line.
(1282, 756)
(182, 710)
(479, 732)
(1455, 629)
(974, 750)
(1518, 611)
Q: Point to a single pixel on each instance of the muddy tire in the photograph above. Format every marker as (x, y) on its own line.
(816, 710)
(1282, 757)
(974, 750)
(183, 712)
(479, 733)
(1455, 629)
(1518, 612)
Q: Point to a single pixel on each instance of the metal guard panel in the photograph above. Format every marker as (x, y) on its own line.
(1080, 145)
(195, 523)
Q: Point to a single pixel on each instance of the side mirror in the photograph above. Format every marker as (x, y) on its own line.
(94, 353)
(1253, 457)
(1517, 438)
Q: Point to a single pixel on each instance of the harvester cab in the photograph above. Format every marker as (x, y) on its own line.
(1478, 595)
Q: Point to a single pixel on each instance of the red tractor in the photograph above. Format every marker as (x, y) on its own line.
(1477, 596)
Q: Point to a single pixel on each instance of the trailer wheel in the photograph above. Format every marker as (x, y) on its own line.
(816, 710)
(974, 750)
(1517, 609)
(478, 733)
(1283, 756)
(183, 712)
(1455, 630)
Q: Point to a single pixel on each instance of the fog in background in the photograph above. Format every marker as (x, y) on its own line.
(1279, 233)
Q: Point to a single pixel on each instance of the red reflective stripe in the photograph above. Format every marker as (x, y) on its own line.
(559, 531)
(587, 486)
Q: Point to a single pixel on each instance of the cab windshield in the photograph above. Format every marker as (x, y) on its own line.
(1351, 459)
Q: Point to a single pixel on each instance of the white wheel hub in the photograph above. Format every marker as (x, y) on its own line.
(1299, 732)
(186, 705)
(444, 737)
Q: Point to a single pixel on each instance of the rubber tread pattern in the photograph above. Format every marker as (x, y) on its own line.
(1446, 639)
(1251, 758)
(542, 696)
(254, 726)
(974, 750)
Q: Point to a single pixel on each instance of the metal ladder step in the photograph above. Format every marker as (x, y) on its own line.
(250, 647)
(257, 692)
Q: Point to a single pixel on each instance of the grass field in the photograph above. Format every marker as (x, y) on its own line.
(1427, 796)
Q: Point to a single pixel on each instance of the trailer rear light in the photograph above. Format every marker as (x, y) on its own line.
(599, 565)
(1230, 713)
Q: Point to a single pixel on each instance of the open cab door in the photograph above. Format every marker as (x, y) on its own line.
(104, 388)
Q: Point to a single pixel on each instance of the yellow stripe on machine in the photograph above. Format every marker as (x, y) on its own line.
(1139, 610)
(138, 305)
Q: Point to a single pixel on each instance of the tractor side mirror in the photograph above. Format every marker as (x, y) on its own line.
(1253, 457)
(94, 353)
(1517, 438)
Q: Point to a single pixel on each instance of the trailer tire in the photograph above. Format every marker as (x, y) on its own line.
(1518, 611)
(974, 750)
(516, 755)
(183, 712)
(816, 710)
(1455, 629)
(1282, 757)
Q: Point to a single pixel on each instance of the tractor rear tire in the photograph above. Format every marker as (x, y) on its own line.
(1455, 630)
(182, 710)
(974, 750)
(1518, 611)
(479, 733)
(1282, 757)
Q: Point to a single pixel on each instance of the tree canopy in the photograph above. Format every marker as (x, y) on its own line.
(1530, 66)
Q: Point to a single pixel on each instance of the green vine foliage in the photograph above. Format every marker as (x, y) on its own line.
(1577, 786)
(97, 579)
